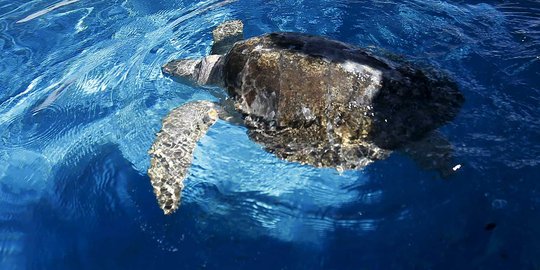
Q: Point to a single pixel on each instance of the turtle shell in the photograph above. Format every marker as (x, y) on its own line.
(327, 103)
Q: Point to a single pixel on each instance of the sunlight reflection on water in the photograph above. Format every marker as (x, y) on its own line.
(84, 95)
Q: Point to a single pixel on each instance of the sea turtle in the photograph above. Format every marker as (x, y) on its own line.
(306, 99)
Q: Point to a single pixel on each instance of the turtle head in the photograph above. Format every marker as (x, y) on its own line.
(208, 70)
(204, 71)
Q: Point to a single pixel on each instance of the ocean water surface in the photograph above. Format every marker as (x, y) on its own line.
(82, 96)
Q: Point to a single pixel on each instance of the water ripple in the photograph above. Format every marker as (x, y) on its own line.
(47, 10)
(89, 96)
(523, 19)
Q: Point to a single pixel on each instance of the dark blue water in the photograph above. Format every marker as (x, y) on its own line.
(82, 95)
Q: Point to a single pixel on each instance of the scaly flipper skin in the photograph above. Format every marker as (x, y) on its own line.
(172, 151)
(225, 35)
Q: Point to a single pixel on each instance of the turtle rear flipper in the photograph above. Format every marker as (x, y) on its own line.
(433, 152)
(172, 151)
(225, 35)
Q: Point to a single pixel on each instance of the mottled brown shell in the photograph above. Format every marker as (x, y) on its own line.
(323, 102)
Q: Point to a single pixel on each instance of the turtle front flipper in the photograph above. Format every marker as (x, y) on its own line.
(225, 35)
(172, 151)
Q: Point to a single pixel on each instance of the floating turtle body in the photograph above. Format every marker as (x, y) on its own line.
(306, 99)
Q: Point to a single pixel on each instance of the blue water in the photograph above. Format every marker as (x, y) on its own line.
(82, 95)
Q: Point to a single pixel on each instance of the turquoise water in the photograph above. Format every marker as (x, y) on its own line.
(82, 96)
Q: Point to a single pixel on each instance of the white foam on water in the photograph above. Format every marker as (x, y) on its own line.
(46, 10)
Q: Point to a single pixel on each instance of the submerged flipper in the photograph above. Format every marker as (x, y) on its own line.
(433, 152)
(225, 35)
(172, 151)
